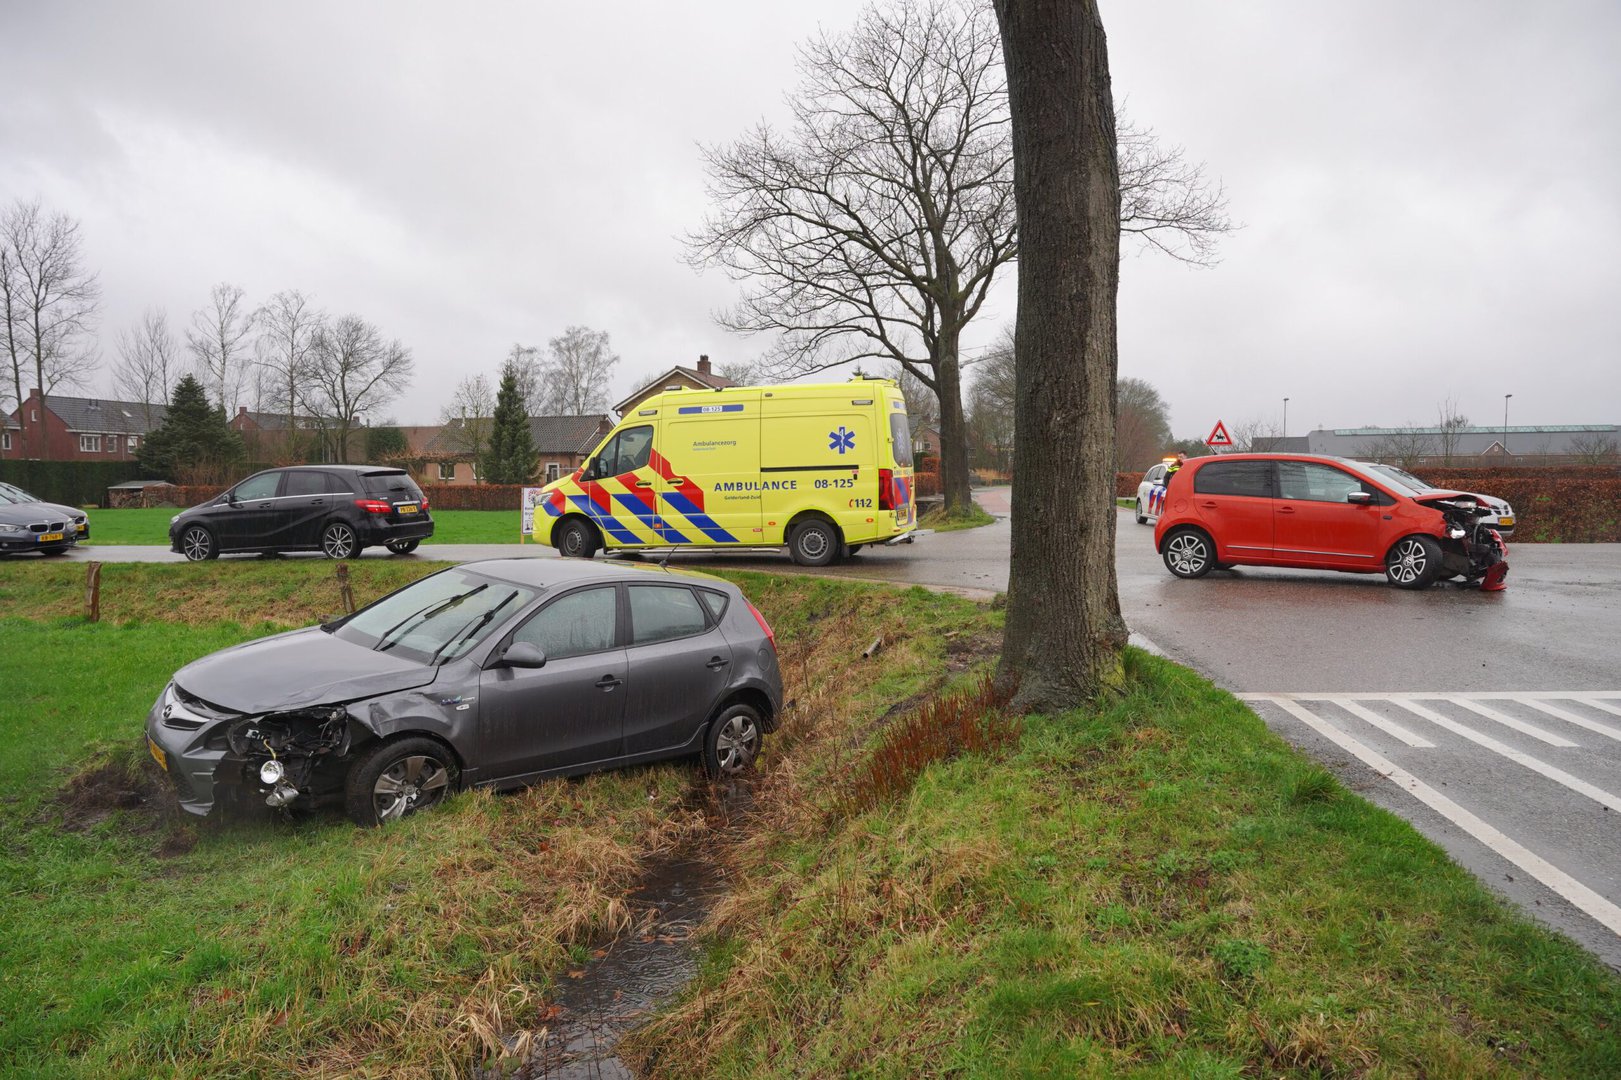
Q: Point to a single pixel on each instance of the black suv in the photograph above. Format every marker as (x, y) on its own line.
(338, 510)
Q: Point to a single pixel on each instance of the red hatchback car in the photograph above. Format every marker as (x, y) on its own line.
(1322, 513)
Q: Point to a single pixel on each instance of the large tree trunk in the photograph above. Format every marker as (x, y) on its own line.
(953, 429)
(1064, 630)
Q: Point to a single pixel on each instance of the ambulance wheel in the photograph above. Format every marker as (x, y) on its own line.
(813, 543)
(577, 539)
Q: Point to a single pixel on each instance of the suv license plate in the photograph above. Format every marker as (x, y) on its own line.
(408, 508)
(157, 753)
(49, 538)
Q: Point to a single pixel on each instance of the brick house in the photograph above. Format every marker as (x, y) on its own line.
(55, 427)
(265, 435)
(563, 443)
(701, 377)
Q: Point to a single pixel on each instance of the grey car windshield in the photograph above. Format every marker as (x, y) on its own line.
(10, 493)
(437, 619)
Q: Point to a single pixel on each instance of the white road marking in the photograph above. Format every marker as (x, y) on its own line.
(1597, 907)
(1558, 776)
(1389, 727)
(1507, 721)
(1572, 718)
(1598, 704)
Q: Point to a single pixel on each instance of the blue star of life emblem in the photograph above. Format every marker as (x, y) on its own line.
(842, 439)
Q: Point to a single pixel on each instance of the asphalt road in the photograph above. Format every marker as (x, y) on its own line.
(1491, 721)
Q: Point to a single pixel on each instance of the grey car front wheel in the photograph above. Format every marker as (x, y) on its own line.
(398, 778)
(732, 742)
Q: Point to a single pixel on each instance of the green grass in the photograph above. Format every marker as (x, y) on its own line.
(151, 526)
(139, 944)
(1157, 887)
(940, 521)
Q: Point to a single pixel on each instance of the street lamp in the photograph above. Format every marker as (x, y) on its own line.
(1285, 418)
(1505, 423)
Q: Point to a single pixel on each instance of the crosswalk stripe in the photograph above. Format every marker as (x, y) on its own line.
(1601, 910)
(1507, 721)
(1389, 727)
(1601, 705)
(1558, 776)
(1570, 718)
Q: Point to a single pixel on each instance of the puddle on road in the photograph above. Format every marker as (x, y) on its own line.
(638, 970)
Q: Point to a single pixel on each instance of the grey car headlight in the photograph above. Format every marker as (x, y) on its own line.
(13, 530)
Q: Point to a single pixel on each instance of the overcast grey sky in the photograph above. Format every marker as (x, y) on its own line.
(1431, 193)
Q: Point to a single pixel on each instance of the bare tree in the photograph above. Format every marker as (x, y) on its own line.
(1405, 447)
(468, 415)
(1256, 435)
(1595, 448)
(1064, 632)
(288, 327)
(1142, 428)
(218, 340)
(353, 369)
(575, 374)
(529, 373)
(875, 228)
(992, 401)
(741, 372)
(1451, 425)
(51, 300)
(148, 362)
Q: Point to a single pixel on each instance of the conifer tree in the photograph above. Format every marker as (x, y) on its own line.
(510, 456)
(193, 439)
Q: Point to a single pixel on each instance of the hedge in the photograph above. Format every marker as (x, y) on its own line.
(1572, 504)
(72, 483)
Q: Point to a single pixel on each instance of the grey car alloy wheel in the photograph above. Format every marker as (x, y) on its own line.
(413, 783)
(338, 541)
(737, 741)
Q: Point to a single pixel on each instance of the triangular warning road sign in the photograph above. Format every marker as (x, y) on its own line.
(1219, 436)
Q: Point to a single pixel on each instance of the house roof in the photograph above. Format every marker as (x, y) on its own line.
(275, 421)
(104, 415)
(550, 434)
(710, 379)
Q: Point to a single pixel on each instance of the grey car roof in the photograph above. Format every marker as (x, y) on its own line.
(546, 572)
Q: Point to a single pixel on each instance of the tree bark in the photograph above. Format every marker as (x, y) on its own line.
(1064, 631)
(953, 428)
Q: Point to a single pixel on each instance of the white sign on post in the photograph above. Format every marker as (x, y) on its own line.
(532, 497)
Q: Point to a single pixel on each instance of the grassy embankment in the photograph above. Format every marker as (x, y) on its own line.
(940, 521)
(1159, 885)
(137, 944)
(151, 526)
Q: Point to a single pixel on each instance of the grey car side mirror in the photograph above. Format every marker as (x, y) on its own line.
(524, 654)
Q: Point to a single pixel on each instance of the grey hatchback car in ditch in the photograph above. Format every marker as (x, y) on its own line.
(491, 674)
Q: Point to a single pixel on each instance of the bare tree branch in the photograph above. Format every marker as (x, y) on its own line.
(574, 378)
(468, 415)
(217, 340)
(148, 362)
(51, 300)
(288, 328)
(352, 370)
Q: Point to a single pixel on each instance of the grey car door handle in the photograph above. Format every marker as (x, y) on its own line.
(717, 662)
(607, 682)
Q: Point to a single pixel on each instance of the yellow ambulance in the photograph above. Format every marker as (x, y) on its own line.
(824, 469)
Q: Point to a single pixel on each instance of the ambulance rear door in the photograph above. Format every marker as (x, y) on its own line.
(819, 452)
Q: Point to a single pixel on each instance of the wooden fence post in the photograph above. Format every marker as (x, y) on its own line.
(92, 591)
(344, 590)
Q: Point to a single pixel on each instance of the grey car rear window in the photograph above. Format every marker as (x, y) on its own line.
(663, 612)
(714, 601)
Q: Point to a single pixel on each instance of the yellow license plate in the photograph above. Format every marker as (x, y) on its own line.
(408, 509)
(85, 527)
(49, 538)
(1505, 520)
(157, 753)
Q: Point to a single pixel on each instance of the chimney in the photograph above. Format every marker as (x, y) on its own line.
(703, 365)
(241, 410)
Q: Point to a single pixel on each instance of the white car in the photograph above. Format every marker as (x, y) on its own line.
(1501, 517)
(1149, 494)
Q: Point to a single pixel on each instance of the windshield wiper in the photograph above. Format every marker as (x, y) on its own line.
(473, 627)
(430, 612)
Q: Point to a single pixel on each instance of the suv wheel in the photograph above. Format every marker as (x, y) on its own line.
(338, 541)
(197, 544)
(1414, 563)
(1189, 553)
(813, 543)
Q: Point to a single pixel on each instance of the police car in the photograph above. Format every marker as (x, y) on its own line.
(1151, 492)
